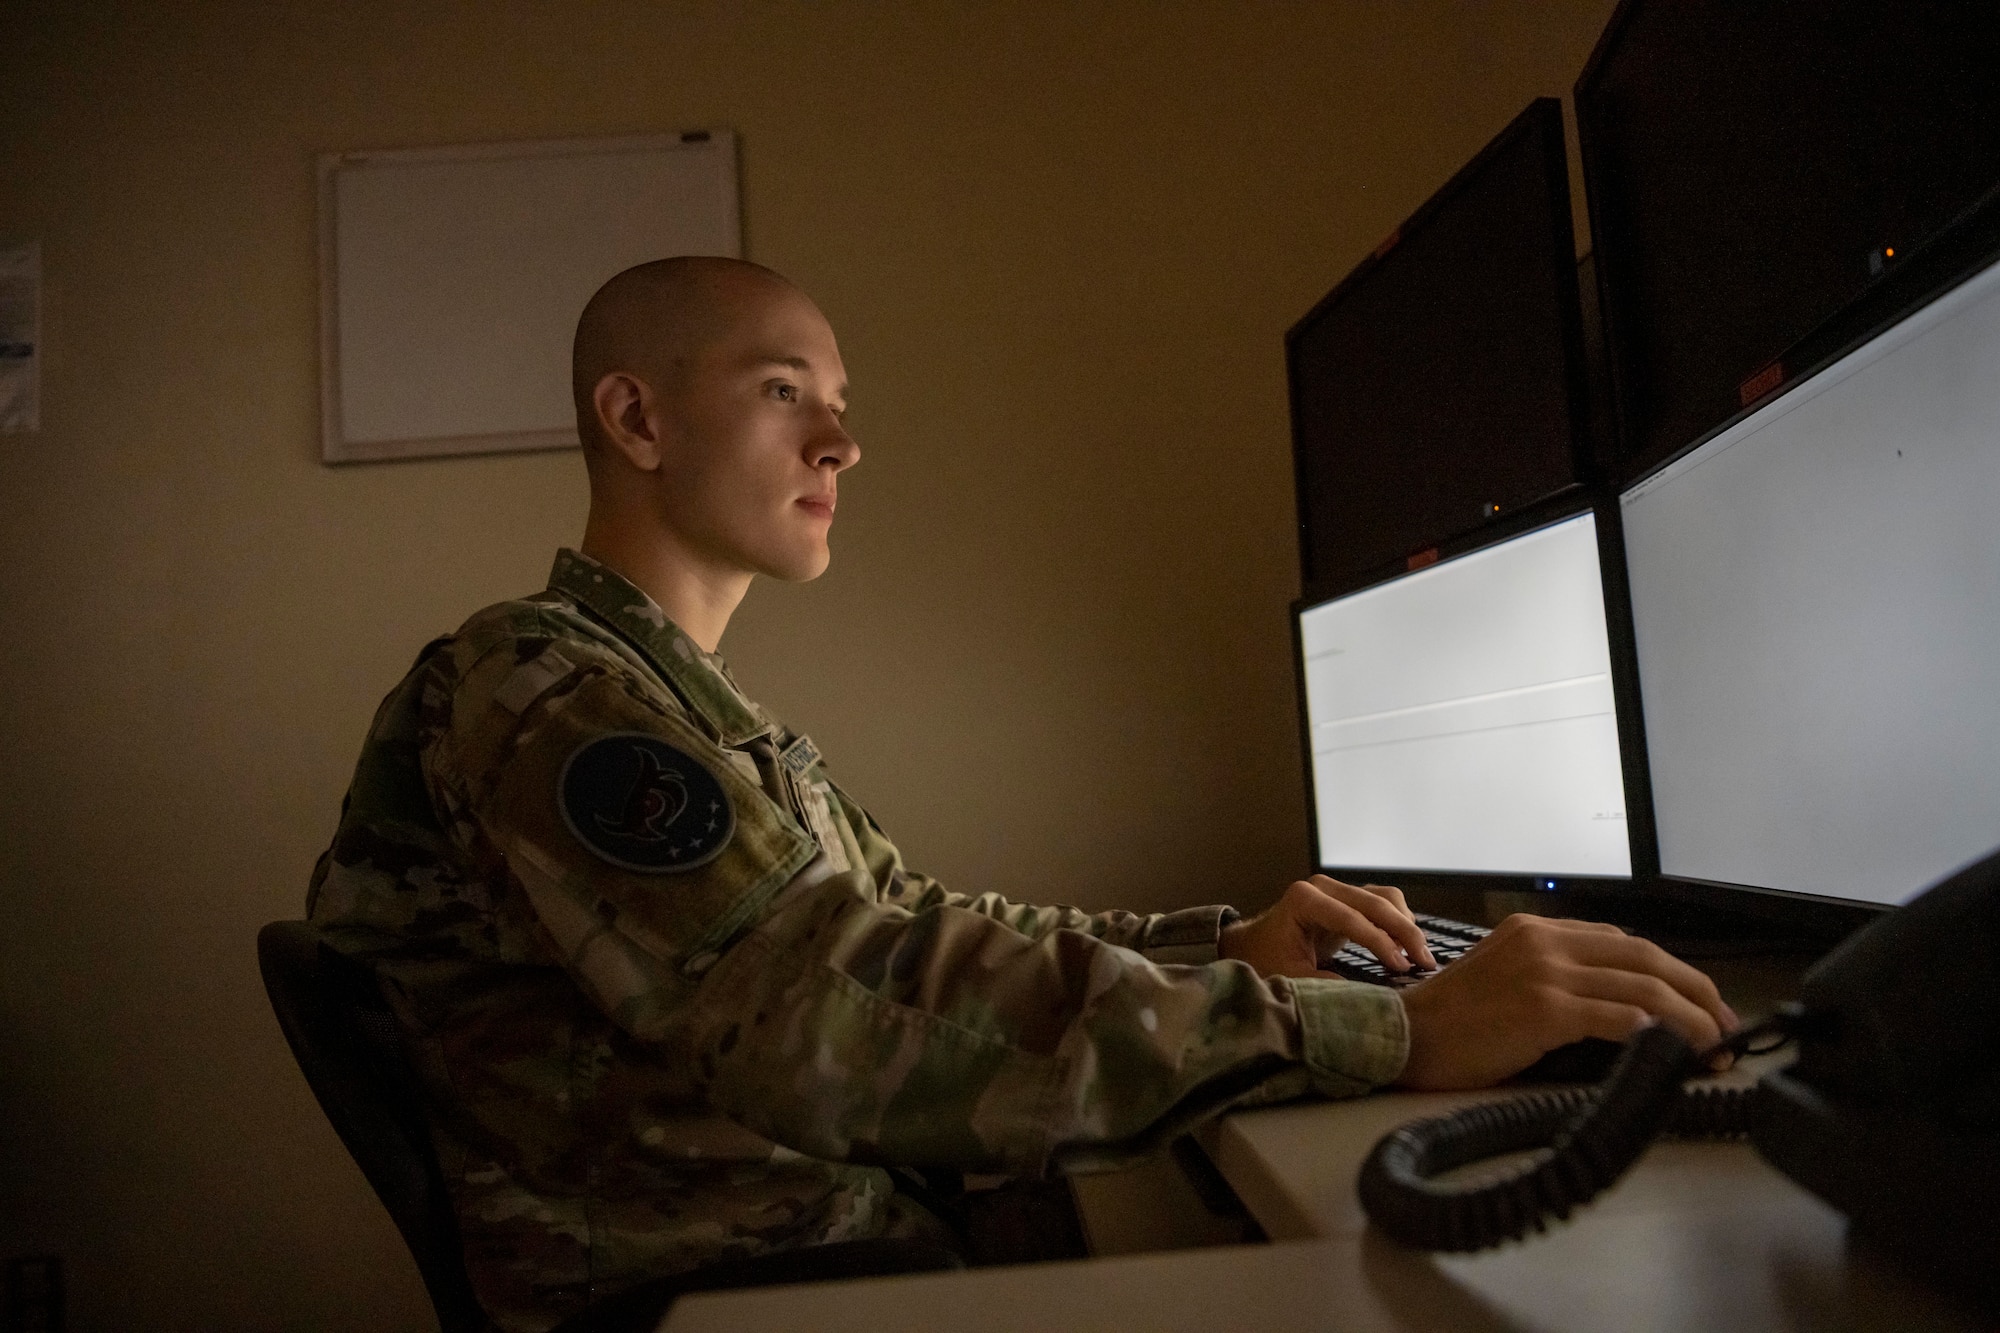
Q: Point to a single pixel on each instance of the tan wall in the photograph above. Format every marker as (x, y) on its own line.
(1060, 244)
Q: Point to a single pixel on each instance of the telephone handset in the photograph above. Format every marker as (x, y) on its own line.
(1891, 1112)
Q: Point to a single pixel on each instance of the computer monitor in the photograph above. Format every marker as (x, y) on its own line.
(1440, 386)
(1459, 718)
(1815, 597)
(1754, 168)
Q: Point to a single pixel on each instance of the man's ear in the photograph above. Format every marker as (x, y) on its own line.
(628, 418)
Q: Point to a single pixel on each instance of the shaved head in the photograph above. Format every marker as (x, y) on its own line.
(711, 401)
(652, 321)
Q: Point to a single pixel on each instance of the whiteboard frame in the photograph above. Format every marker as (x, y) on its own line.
(334, 446)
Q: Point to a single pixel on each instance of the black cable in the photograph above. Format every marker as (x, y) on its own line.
(1594, 1134)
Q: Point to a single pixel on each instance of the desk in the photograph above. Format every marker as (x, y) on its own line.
(1698, 1236)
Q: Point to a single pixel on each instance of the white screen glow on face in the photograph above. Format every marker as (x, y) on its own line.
(1816, 598)
(1461, 717)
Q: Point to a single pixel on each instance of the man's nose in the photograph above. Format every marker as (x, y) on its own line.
(834, 447)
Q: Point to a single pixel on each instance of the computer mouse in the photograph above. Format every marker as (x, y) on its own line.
(1585, 1061)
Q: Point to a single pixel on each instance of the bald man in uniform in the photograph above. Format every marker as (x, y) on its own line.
(673, 995)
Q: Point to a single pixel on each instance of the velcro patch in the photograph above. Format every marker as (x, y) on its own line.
(639, 803)
(531, 680)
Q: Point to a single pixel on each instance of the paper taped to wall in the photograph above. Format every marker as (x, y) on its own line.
(20, 339)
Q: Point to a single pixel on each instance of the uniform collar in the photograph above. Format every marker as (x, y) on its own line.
(696, 676)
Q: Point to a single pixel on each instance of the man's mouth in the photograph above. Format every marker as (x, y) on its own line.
(821, 505)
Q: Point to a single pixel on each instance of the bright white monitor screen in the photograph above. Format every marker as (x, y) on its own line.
(1816, 593)
(1461, 717)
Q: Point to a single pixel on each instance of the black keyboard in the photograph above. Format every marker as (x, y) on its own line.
(1448, 940)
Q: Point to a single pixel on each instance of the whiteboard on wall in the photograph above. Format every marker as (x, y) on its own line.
(451, 279)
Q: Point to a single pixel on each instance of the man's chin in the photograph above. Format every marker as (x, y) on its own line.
(800, 566)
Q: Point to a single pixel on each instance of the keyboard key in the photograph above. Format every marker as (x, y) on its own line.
(1448, 941)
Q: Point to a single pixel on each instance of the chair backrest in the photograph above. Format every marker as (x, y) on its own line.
(350, 1048)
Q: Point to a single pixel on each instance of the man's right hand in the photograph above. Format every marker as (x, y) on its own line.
(1537, 983)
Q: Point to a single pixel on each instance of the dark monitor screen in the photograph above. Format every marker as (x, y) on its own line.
(1440, 385)
(1754, 166)
(1815, 596)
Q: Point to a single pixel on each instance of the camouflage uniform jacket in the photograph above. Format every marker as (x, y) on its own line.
(675, 998)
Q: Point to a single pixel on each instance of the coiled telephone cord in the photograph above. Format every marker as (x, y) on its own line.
(1594, 1135)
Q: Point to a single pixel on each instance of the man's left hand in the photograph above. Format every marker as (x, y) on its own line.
(1315, 917)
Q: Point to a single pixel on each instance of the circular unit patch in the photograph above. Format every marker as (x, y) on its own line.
(643, 805)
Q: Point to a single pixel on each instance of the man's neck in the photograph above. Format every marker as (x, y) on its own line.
(698, 598)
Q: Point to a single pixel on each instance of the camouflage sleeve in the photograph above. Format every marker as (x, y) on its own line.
(837, 1024)
(1187, 936)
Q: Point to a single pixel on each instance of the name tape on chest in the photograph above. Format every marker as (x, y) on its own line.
(811, 801)
(799, 756)
(636, 801)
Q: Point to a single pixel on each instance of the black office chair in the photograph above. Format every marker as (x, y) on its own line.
(350, 1048)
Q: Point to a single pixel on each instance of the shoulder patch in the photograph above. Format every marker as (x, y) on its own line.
(641, 804)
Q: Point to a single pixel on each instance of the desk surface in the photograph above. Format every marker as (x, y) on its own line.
(1769, 1269)
(1295, 1166)
(1698, 1237)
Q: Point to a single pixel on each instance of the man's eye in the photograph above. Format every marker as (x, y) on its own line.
(788, 393)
